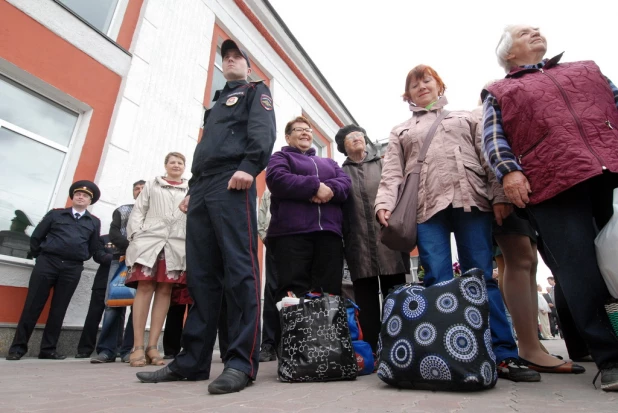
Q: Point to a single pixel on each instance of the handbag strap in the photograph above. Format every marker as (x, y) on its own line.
(425, 148)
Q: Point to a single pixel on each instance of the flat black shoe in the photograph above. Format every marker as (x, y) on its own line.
(159, 376)
(14, 356)
(82, 355)
(51, 356)
(230, 381)
(268, 353)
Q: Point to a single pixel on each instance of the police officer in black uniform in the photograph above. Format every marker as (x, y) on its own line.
(238, 139)
(62, 241)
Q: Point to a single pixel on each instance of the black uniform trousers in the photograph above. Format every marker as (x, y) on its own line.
(221, 259)
(270, 322)
(88, 338)
(49, 271)
(566, 224)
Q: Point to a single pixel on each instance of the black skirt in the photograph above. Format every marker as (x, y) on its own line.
(514, 224)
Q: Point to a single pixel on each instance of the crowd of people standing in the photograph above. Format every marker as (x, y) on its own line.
(533, 170)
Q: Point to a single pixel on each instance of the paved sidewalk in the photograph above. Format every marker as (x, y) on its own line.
(33, 385)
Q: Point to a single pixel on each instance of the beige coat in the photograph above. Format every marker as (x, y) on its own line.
(156, 223)
(454, 171)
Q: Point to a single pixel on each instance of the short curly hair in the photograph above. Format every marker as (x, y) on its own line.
(298, 119)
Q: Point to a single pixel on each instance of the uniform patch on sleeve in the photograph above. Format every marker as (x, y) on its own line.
(266, 101)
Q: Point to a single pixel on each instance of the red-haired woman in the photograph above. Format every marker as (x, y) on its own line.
(457, 194)
(156, 255)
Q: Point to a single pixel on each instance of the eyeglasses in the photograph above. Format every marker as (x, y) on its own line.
(354, 136)
(299, 129)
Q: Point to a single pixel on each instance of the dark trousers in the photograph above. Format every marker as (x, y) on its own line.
(367, 297)
(270, 322)
(63, 276)
(172, 337)
(307, 262)
(173, 329)
(88, 339)
(575, 344)
(221, 259)
(566, 224)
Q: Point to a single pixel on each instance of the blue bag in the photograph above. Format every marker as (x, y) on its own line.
(364, 357)
(118, 294)
(355, 329)
(362, 349)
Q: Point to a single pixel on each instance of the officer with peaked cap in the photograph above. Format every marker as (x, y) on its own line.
(63, 240)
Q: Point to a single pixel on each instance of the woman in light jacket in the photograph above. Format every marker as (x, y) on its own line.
(307, 192)
(156, 254)
(374, 268)
(457, 194)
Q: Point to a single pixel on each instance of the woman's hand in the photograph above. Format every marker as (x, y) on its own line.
(383, 216)
(501, 211)
(184, 205)
(324, 194)
(516, 188)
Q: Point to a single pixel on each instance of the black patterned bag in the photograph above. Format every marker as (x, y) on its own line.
(315, 341)
(438, 338)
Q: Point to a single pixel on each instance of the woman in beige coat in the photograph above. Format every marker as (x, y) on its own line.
(458, 193)
(156, 254)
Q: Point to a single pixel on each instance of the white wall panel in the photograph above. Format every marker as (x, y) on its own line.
(161, 108)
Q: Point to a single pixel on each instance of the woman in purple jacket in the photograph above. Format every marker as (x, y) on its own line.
(305, 231)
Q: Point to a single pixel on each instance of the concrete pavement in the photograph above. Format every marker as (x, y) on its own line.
(75, 385)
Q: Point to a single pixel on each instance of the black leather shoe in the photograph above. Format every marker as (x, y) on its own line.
(230, 381)
(51, 356)
(158, 376)
(82, 355)
(14, 356)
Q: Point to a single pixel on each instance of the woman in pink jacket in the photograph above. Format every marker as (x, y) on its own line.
(457, 194)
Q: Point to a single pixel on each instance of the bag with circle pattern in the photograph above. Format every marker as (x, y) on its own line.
(438, 338)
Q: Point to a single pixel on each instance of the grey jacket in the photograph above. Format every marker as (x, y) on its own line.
(365, 254)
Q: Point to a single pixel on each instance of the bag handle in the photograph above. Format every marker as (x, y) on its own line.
(425, 148)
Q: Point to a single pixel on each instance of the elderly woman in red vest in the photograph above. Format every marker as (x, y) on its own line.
(551, 136)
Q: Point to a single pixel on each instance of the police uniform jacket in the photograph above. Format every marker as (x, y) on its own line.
(60, 234)
(239, 131)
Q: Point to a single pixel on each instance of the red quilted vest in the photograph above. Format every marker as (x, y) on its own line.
(561, 122)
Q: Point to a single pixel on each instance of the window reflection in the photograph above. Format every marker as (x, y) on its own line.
(99, 13)
(35, 134)
(34, 113)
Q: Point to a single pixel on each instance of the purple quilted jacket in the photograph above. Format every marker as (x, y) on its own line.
(293, 178)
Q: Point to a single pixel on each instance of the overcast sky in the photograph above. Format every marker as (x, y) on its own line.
(365, 49)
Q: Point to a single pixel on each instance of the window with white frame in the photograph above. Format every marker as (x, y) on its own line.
(317, 145)
(98, 13)
(35, 137)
